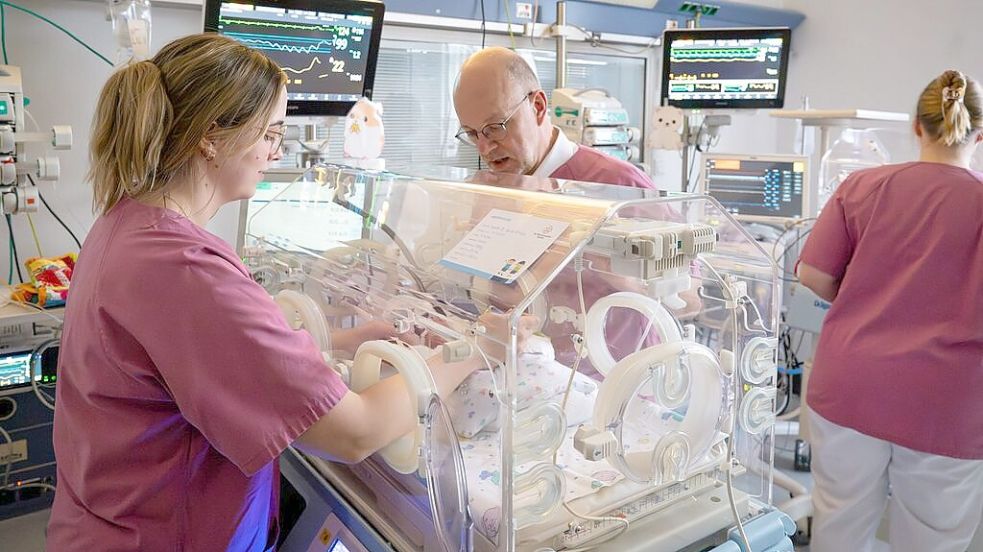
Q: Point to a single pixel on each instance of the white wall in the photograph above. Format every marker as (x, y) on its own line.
(879, 54)
(62, 81)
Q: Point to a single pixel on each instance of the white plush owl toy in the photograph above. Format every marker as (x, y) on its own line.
(667, 122)
(364, 134)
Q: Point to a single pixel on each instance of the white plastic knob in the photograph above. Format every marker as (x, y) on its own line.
(61, 137)
(49, 168)
(6, 140)
(9, 202)
(27, 200)
(758, 361)
(757, 412)
(21, 200)
(8, 174)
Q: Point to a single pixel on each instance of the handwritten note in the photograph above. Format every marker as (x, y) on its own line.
(503, 245)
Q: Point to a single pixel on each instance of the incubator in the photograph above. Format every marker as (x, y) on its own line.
(639, 415)
(855, 149)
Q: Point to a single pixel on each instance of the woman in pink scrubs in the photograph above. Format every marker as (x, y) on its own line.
(896, 394)
(180, 382)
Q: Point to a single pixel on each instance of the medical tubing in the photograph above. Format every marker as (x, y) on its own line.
(10, 456)
(34, 232)
(35, 360)
(3, 33)
(57, 26)
(15, 487)
(13, 248)
(40, 309)
(61, 222)
(371, 219)
(730, 445)
(578, 264)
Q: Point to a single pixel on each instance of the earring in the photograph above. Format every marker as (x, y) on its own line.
(209, 154)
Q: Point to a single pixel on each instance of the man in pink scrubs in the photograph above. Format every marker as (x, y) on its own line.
(504, 113)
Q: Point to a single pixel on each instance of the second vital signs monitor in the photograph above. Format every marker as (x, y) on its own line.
(759, 187)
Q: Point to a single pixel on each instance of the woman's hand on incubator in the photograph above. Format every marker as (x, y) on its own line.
(371, 330)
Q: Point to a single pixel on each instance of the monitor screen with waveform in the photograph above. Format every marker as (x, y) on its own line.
(758, 186)
(327, 48)
(725, 68)
(15, 369)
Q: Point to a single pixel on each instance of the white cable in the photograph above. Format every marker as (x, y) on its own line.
(44, 398)
(578, 265)
(37, 127)
(730, 453)
(40, 309)
(47, 400)
(10, 456)
(45, 486)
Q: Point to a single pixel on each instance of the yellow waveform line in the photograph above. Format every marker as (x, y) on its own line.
(279, 25)
(299, 71)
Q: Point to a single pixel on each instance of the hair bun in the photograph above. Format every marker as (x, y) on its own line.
(953, 93)
(953, 85)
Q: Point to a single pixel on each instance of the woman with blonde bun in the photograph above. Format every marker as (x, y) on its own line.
(896, 393)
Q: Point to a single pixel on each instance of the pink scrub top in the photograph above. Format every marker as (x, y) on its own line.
(590, 165)
(624, 328)
(900, 356)
(179, 385)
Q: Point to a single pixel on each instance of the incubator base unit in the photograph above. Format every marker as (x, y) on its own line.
(593, 118)
(638, 417)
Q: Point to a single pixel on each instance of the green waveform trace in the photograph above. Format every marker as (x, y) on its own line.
(715, 53)
(334, 28)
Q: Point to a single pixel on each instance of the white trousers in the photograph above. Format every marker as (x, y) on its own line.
(935, 503)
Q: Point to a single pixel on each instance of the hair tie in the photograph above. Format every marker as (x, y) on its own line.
(954, 94)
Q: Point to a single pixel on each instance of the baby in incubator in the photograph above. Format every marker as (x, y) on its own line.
(474, 405)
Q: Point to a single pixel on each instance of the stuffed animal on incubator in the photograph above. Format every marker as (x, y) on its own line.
(667, 123)
(364, 132)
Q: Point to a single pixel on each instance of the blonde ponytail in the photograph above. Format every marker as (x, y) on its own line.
(133, 118)
(153, 116)
(950, 108)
